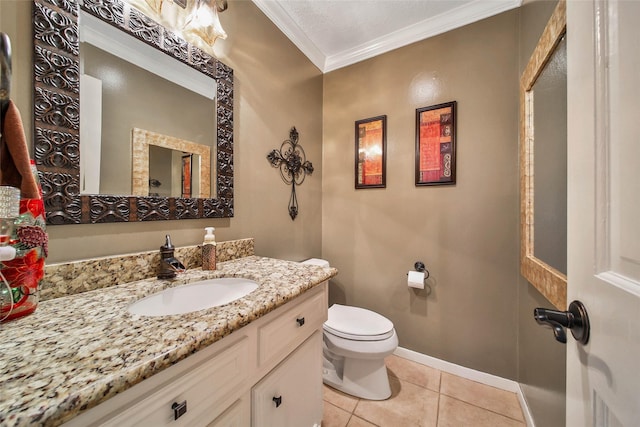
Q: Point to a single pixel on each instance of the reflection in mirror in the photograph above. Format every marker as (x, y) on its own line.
(172, 173)
(543, 139)
(156, 155)
(124, 85)
(57, 118)
(550, 161)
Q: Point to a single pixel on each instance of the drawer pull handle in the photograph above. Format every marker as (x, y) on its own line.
(179, 409)
(300, 321)
(277, 401)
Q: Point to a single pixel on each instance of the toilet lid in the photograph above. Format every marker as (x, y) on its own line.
(357, 323)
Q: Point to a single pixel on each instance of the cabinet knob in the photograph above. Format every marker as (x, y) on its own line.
(300, 321)
(277, 401)
(179, 409)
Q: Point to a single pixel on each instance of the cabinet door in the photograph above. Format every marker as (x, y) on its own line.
(291, 394)
(237, 415)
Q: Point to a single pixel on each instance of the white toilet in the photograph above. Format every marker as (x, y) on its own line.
(356, 341)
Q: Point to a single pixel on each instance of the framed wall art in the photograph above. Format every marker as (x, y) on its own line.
(186, 175)
(371, 152)
(436, 144)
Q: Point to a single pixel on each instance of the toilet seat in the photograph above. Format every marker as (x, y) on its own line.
(357, 324)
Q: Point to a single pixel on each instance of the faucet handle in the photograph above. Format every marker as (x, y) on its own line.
(169, 265)
(167, 244)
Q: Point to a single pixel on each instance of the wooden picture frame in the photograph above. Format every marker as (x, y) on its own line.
(371, 153)
(548, 280)
(436, 144)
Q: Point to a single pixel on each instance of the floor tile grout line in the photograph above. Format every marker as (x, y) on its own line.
(483, 408)
(416, 384)
(438, 410)
(439, 390)
(351, 413)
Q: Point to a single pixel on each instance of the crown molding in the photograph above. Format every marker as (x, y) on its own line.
(276, 13)
(456, 18)
(471, 12)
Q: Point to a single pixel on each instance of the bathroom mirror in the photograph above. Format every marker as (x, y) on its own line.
(125, 84)
(58, 152)
(543, 139)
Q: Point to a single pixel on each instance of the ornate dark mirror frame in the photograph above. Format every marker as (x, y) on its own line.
(57, 117)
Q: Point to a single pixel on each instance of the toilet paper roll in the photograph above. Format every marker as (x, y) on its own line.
(415, 279)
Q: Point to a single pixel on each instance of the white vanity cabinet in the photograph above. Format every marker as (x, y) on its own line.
(237, 380)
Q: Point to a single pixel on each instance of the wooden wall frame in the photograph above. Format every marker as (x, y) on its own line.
(371, 153)
(545, 278)
(436, 144)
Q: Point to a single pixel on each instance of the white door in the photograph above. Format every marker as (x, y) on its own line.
(603, 48)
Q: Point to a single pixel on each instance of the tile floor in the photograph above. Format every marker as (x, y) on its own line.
(425, 397)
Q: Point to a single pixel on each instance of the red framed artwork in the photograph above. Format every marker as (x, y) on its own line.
(436, 144)
(186, 175)
(371, 152)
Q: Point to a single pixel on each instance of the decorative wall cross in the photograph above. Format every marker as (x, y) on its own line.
(293, 165)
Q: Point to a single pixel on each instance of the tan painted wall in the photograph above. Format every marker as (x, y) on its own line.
(276, 87)
(466, 234)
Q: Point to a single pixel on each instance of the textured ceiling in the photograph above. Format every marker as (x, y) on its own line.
(336, 33)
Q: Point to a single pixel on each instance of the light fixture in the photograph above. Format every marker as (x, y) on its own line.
(194, 20)
(204, 23)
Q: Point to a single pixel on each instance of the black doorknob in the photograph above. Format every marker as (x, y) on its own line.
(575, 319)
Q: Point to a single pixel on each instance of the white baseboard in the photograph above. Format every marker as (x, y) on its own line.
(528, 418)
(470, 374)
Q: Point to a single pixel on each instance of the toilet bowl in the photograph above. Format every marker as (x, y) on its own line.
(355, 343)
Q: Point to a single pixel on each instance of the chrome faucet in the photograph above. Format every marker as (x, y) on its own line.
(169, 264)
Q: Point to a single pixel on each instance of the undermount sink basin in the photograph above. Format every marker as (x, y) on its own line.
(193, 297)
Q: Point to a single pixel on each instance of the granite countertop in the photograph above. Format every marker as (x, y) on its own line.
(77, 351)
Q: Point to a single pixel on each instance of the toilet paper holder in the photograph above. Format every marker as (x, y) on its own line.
(419, 266)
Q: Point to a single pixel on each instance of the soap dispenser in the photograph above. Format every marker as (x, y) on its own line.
(209, 250)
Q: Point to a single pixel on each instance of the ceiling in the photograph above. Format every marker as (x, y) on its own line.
(337, 33)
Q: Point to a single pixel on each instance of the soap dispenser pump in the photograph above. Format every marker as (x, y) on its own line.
(209, 250)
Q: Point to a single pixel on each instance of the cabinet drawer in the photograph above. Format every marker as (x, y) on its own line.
(203, 389)
(281, 335)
